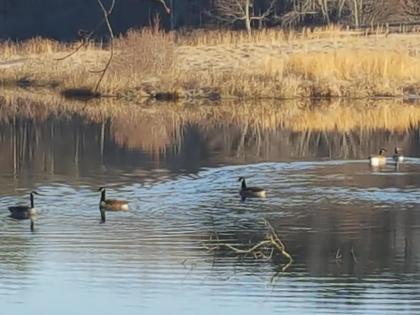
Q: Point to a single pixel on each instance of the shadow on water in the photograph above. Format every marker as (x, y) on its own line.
(350, 229)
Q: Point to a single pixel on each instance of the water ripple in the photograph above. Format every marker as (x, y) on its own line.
(155, 251)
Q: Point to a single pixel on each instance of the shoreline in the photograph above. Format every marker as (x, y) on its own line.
(86, 94)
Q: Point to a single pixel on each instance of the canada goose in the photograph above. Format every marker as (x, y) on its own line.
(378, 160)
(250, 191)
(110, 204)
(25, 212)
(398, 157)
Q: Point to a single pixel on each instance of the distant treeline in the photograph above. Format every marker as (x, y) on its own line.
(63, 19)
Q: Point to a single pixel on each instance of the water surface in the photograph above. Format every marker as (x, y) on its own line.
(351, 230)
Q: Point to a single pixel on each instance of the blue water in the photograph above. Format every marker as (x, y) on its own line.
(155, 259)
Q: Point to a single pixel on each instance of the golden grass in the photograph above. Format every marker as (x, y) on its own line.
(39, 45)
(10, 49)
(358, 73)
(271, 63)
(143, 57)
(263, 36)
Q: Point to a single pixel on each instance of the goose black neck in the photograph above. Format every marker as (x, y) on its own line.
(32, 200)
(32, 225)
(243, 183)
(103, 195)
(103, 216)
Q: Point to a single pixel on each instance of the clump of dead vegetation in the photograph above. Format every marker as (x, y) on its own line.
(266, 249)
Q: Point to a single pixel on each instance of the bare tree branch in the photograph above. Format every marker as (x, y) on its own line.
(411, 7)
(232, 11)
(165, 6)
(89, 35)
(267, 12)
(111, 34)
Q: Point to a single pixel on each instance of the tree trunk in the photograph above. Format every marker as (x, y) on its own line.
(248, 16)
(356, 13)
(327, 13)
(324, 9)
(172, 14)
(340, 8)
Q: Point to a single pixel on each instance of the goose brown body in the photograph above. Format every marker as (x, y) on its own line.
(114, 205)
(110, 204)
(251, 191)
(378, 160)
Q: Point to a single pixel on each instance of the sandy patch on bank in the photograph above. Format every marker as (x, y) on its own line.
(235, 57)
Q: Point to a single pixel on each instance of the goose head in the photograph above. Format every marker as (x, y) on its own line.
(382, 151)
(102, 190)
(242, 179)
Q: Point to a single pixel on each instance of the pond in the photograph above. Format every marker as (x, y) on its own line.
(351, 229)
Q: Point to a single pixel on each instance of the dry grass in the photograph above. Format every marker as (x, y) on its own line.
(143, 57)
(359, 73)
(325, 62)
(333, 65)
(263, 36)
(36, 62)
(10, 49)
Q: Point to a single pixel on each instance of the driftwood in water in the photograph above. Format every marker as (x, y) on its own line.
(265, 249)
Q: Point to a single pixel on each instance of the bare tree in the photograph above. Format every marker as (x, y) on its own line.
(232, 11)
(324, 5)
(381, 11)
(356, 9)
(411, 7)
(298, 10)
(368, 12)
(340, 8)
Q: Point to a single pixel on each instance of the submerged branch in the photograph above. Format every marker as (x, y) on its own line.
(247, 251)
(272, 242)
